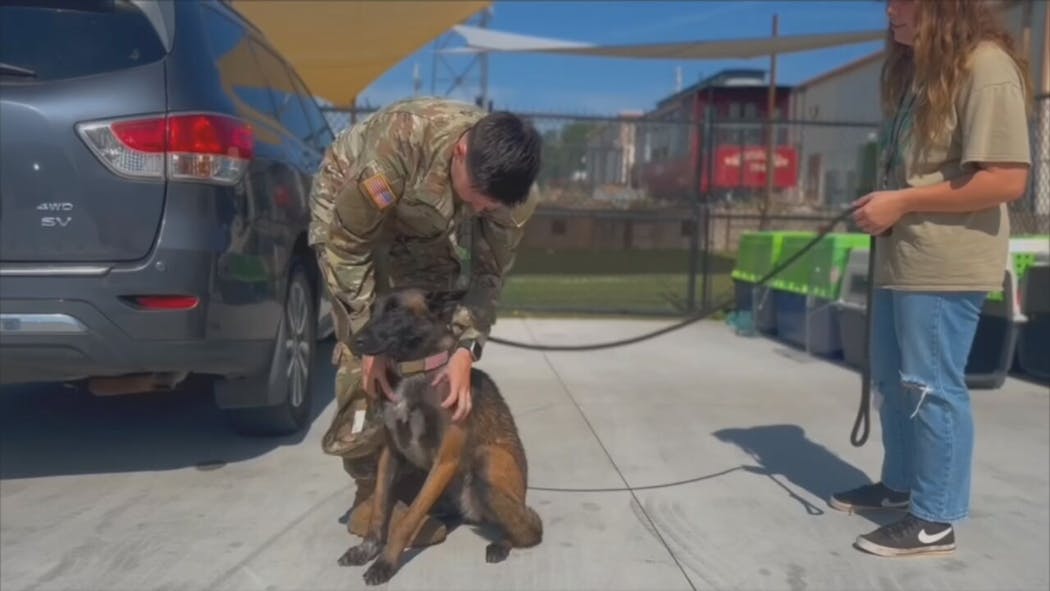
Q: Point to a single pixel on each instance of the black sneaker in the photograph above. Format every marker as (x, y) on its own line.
(870, 496)
(909, 537)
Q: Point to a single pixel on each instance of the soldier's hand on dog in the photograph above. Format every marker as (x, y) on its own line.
(373, 369)
(457, 373)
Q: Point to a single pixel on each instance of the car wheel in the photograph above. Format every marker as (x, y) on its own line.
(290, 377)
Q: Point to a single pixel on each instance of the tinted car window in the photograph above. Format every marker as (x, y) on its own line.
(289, 110)
(58, 44)
(322, 135)
(229, 45)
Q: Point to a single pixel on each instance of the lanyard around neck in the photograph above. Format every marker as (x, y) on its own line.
(896, 130)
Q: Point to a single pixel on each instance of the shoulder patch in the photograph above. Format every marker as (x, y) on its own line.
(378, 189)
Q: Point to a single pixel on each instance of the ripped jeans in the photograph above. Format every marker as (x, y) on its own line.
(920, 345)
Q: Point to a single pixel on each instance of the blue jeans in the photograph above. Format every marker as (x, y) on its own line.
(920, 344)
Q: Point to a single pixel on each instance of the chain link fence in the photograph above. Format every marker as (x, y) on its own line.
(641, 215)
(1031, 214)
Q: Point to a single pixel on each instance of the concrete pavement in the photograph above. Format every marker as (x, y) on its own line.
(731, 445)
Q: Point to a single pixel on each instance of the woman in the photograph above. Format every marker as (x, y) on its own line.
(957, 96)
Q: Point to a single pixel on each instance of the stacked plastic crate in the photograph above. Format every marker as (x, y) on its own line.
(819, 302)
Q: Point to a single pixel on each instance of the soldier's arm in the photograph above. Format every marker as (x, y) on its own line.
(326, 183)
(362, 205)
(495, 244)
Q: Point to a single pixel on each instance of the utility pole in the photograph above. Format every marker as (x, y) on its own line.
(483, 97)
(770, 130)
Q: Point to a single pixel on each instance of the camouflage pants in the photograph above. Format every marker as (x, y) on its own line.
(353, 434)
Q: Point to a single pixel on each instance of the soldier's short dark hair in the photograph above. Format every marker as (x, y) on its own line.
(504, 157)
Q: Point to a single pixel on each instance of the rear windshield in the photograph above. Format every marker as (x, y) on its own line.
(57, 43)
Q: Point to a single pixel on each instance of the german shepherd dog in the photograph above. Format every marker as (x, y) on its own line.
(477, 464)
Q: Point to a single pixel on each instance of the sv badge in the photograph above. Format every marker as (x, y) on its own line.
(55, 221)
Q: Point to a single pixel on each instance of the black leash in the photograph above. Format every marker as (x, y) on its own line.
(862, 414)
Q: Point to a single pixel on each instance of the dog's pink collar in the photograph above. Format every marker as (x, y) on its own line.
(426, 364)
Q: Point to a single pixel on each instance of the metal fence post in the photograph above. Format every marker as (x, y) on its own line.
(1040, 198)
(709, 160)
(695, 196)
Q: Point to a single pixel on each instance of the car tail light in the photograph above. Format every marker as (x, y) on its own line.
(154, 302)
(188, 147)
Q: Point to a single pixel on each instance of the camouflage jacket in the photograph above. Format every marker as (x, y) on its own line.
(384, 195)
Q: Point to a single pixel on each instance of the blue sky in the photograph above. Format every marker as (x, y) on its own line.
(588, 85)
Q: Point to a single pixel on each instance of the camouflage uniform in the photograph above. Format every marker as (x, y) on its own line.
(384, 215)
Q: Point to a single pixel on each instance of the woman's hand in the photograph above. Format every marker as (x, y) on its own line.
(457, 373)
(878, 211)
(373, 370)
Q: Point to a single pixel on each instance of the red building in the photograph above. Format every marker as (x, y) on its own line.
(674, 154)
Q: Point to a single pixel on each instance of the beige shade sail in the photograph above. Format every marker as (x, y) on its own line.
(494, 41)
(339, 47)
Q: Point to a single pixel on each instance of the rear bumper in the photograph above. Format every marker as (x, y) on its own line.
(49, 359)
(62, 323)
(61, 339)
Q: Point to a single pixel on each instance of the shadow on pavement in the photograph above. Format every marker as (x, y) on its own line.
(51, 430)
(784, 450)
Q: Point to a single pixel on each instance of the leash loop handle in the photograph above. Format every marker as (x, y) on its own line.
(863, 420)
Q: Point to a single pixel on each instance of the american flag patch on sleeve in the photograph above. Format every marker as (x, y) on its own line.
(378, 189)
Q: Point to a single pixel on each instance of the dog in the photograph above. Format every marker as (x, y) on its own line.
(478, 464)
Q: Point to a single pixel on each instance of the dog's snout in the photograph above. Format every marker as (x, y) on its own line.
(366, 342)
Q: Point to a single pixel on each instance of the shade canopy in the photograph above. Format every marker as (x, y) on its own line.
(479, 40)
(340, 48)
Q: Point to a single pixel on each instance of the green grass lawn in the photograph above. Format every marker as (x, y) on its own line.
(536, 261)
(645, 282)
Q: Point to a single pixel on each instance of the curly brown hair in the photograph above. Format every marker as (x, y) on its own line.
(947, 32)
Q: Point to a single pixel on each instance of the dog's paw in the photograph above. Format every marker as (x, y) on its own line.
(379, 573)
(360, 554)
(496, 552)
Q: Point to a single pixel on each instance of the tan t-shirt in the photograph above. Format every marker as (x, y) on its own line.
(960, 251)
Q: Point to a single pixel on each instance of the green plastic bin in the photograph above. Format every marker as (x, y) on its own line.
(1024, 251)
(819, 271)
(757, 254)
(1032, 264)
(805, 293)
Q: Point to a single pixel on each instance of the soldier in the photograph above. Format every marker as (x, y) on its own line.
(427, 193)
